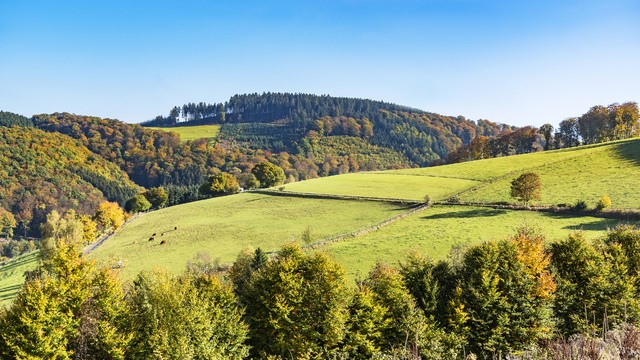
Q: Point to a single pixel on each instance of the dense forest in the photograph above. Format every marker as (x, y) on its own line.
(512, 298)
(41, 172)
(420, 136)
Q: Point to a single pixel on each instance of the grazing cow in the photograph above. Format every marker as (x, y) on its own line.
(151, 238)
(154, 234)
(162, 242)
(175, 228)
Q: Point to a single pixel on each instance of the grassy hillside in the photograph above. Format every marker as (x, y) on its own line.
(568, 175)
(193, 132)
(385, 185)
(224, 226)
(435, 231)
(610, 169)
(12, 275)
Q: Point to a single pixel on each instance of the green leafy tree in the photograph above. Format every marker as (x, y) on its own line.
(365, 322)
(526, 187)
(137, 204)
(546, 131)
(405, 327)
(65, 309)
(193, 316)
(222, 183)
(296, 305)
(157, 196)
(248, 181)
(268, 174)
(507, 299)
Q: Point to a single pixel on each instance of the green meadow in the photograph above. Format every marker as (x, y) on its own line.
(193, 132)
(436, 230)
(384, 185)
(224, 226)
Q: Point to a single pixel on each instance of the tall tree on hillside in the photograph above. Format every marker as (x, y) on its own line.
(526, 187)
(268, 174)
(595, 125)
(546, 131)
(568, 133)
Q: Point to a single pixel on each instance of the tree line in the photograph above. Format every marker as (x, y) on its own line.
(508, 297)
(599, 124)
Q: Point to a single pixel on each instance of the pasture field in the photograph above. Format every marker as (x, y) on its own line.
(224, 226)
(613, 170)
(436, 230)
(489, 169)
(568, 175)
(384, 185)
(193, 132)
(12, 275)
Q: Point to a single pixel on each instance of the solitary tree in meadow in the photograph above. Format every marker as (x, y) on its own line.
(526, 187)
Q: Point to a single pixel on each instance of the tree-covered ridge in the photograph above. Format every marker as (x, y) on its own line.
(11, 119)
(155, 157)
(422, 137)
(41, 172)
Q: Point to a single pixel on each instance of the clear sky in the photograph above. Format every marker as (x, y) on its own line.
(517, 62)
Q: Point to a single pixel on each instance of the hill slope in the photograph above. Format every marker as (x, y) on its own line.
(41, 171)
(568, 175)
(285, 122)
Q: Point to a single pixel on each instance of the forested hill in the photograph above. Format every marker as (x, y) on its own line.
(41, 172)
(289, 122)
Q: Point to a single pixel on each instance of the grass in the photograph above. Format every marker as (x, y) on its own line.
(434, 231)
(193, 132)
(12, 275)
(488, 169)
(226, 225)
(385, 185)
(613, 170)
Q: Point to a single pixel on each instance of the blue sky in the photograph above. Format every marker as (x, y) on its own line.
(518, 62)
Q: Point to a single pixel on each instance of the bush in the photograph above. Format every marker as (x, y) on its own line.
(581, 205)
(603, 203)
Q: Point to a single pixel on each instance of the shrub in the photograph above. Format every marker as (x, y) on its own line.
(603, 203)
(581, 205)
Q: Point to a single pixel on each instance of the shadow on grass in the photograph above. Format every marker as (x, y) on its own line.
(22, 260)
(601, 224)
(466, 214)
(9, 292)
(629, 151)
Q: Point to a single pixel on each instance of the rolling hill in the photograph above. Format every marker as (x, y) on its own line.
(350, 228)
(268, 220)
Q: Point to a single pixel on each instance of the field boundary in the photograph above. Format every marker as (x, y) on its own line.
(366, 229)
(619, 214)
(337, 197)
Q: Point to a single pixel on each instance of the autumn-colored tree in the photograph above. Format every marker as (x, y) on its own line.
(109, 216)
(7, 223)
(526, 187)
(222, 183)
